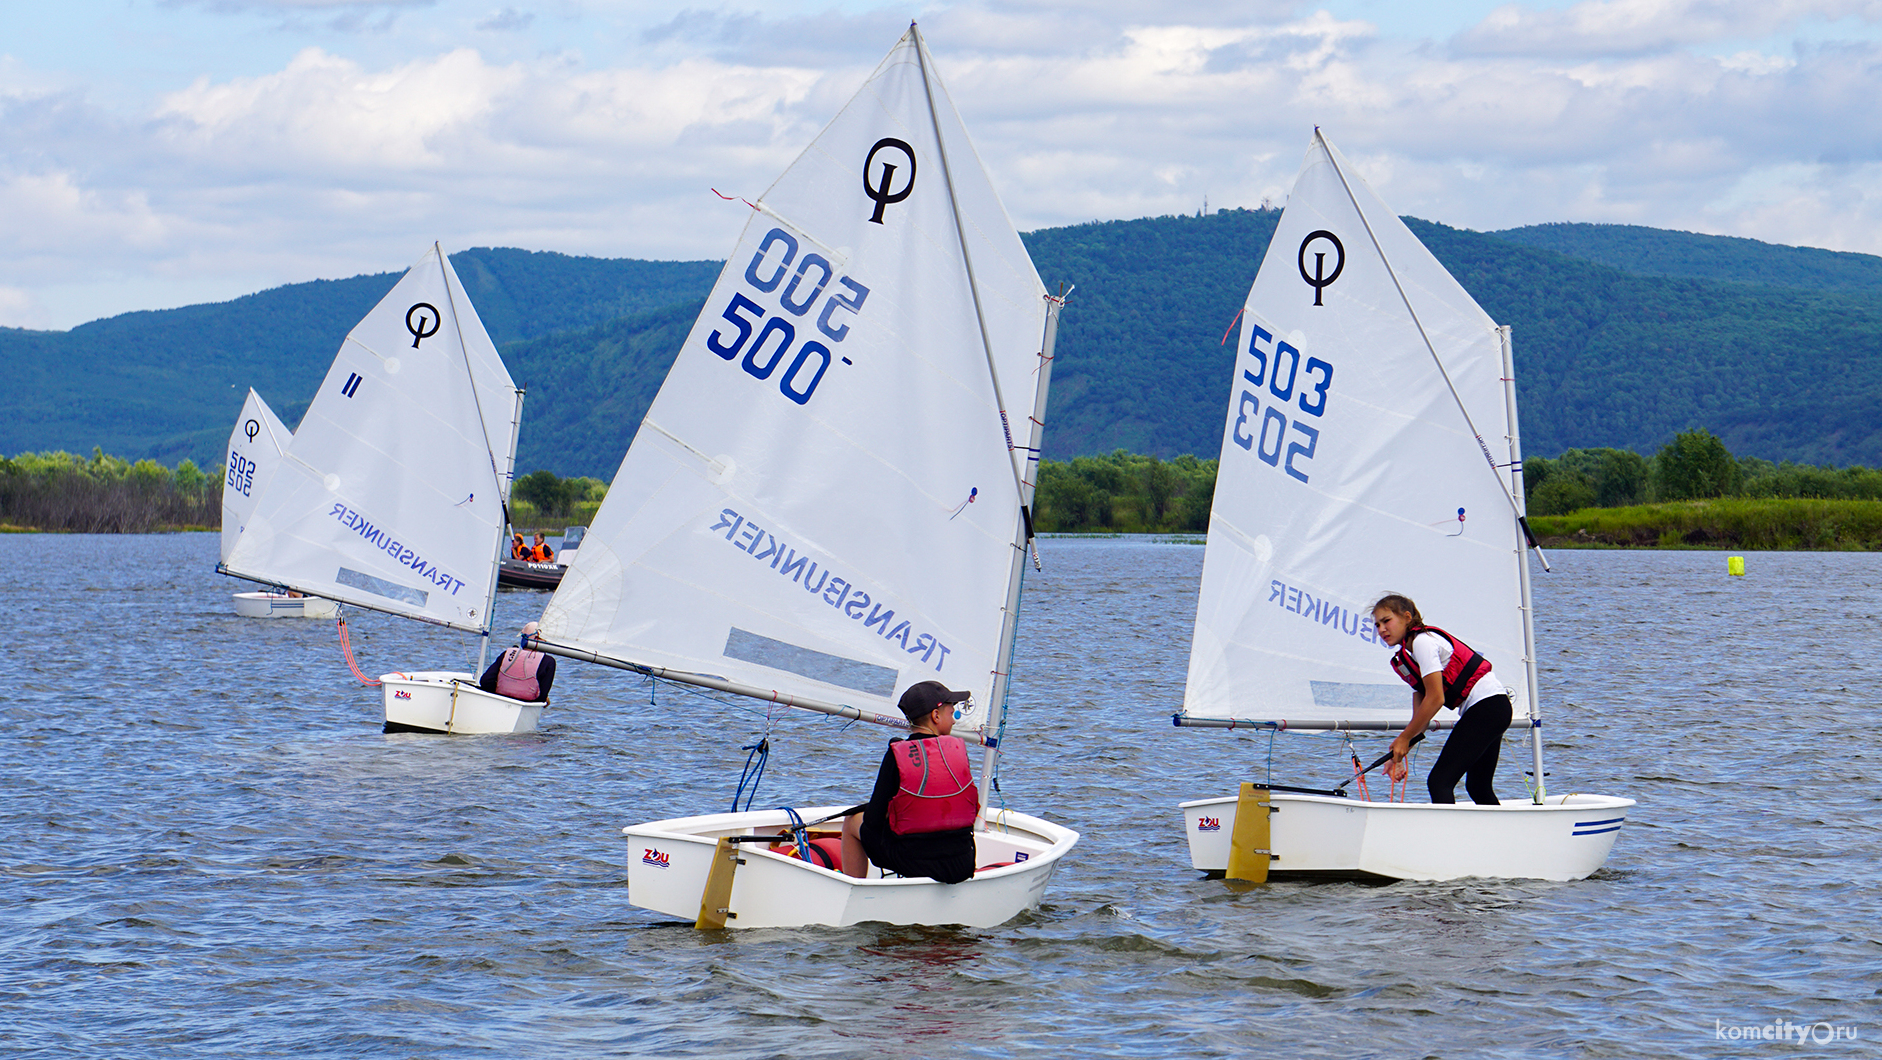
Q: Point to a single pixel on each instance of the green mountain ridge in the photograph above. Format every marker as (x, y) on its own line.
(1623, 337)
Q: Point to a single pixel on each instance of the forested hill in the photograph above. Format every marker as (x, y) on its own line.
(1658, 252)
(1786, 368)
(168, 383)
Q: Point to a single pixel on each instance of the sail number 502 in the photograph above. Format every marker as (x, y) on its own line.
(777, 334)
(1263, 430)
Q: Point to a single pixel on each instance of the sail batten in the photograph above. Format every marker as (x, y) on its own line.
(1351, 466)
(827, 500)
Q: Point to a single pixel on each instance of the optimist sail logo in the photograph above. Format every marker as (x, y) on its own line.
(1209, 824)
(656, 858)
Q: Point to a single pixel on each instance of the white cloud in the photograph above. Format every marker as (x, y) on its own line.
(1619, 27)
(337, 160)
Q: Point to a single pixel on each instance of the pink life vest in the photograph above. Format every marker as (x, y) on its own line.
(1461, 674)
(936, 792)
(516, 677)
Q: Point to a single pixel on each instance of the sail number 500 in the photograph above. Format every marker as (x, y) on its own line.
(1263, 431)
(774, 339)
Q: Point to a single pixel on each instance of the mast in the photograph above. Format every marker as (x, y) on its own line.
(1009, 625)
(506, 476)
(967, 259)
(1522, 561)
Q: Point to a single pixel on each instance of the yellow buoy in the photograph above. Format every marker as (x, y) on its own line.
(1735, 565)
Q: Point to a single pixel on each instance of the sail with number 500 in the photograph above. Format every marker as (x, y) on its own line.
(826, 502)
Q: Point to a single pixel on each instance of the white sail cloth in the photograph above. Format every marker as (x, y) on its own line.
(255, 448)
(1350, 469)
(392, 494)
(822, 499)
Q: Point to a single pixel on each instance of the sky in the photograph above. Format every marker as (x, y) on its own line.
(156, 153)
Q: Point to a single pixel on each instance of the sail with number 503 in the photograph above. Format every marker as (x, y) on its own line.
(1367, 383)
(1370, 446)
(825, 502)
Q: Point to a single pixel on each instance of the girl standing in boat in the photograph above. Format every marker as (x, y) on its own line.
(1444, 672)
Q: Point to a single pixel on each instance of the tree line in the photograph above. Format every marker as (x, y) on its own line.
(1695, 465)
(1125, 493)
(1121, 492)
(107, 494)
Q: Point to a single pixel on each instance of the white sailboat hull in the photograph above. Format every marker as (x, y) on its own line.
(444, 702)
(669, 860)
(1566, 838)
(281, 605)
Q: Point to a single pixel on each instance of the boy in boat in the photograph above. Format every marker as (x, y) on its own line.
(542, 553)
(919, 821)
(520, 673)
(1444, 672)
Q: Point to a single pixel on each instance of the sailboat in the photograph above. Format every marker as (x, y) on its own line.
(255, 448)
(1357, 460)
(827, 500)
(393, 494)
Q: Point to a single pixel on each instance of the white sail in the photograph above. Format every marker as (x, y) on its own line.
(255, 448)
(392, 494)
(822, 499)
(1350, 468)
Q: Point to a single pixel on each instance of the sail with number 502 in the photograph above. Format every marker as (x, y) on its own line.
(826, 502)
(1370, 446)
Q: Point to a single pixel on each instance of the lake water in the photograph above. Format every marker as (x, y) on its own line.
(209, 849)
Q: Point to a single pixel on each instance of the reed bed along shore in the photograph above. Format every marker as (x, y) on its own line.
(1781, 524)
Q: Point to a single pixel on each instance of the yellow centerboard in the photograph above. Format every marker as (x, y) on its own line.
(1249, 849)
(714, 902)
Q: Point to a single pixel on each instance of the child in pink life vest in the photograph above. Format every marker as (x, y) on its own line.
(919, 820)
(520, 673)
(1445, 672)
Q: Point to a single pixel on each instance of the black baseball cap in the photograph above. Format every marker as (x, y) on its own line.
(925, 697)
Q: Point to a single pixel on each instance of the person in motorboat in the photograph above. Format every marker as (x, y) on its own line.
(1445, 672)
(518, 550)
(521, 673)
(919, 820)
(542, 553)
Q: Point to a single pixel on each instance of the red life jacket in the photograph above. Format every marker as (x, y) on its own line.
(1461, 674)
(936, 792)
(516, 678)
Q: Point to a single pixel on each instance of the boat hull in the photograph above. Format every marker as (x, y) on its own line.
(1566, 838)
(281, 605)
(669, 860)
(525, 574)
(440, 701)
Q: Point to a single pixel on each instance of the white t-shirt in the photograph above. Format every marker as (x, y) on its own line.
(1432, 653)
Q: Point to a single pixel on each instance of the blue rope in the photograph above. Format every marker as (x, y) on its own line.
(753, 771)
(797, 833)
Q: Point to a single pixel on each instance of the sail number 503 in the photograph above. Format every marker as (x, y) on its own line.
(1279, 383)
(777, 334)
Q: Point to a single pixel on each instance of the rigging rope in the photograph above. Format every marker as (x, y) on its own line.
(346, 649)
(753, 772)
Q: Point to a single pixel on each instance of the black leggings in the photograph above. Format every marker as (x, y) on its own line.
(1470, 752)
